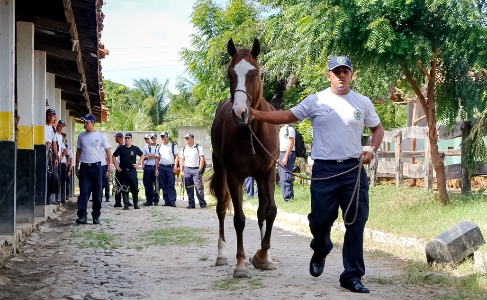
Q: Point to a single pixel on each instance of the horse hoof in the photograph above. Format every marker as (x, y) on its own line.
(263, 266)
(239, 273)
(221, 261)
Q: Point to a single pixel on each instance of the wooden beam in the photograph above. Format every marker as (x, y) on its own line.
(46, 23)
(76, 99)
(63, 73)
(56, 51)
(69, 87)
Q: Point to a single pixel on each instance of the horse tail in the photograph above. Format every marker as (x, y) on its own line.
(219, 188)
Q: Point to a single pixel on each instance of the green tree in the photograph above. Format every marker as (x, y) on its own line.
(155, 98)
(431, 44)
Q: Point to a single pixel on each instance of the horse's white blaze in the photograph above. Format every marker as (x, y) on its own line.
(239, 98)
(222, 248)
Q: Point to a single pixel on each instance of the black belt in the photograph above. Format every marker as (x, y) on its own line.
(166, 165)
(193, 167)
(326, 161)
(150, 165)
(286, 151)
(91, 164)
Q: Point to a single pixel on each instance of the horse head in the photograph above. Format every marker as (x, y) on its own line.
(245, 82)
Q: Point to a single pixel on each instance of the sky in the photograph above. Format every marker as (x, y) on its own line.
(144, 39)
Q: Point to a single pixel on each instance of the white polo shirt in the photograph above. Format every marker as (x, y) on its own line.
(90, 143)
(284, 138)
(190, 155)
(64, 159)
(60, 143)
(48, 134)
(151, 149)
(338, 123)
(166, 155)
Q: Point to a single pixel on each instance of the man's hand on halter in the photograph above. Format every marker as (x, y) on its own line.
(368, 156)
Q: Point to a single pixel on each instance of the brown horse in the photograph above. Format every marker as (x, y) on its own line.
(233, 158)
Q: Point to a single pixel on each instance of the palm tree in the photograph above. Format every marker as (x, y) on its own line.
(155, 95)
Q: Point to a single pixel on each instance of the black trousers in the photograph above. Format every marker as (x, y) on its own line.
(129, 179)
(62, 180)
(105, 184)
(149, 181)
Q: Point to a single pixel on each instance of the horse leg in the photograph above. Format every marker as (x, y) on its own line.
(266, 215)
(235, 188)
(219, 188)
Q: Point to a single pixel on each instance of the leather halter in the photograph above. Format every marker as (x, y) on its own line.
(248, 96)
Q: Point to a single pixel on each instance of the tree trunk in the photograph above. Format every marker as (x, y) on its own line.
(429, 108)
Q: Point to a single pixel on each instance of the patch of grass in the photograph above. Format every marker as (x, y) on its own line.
(174, 236)
(204, 258)
(380, 280)
(161, 217)
(99, 239)
(233, 284)
(139, 247)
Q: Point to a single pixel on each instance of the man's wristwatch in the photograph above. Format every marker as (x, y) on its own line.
(139, 163)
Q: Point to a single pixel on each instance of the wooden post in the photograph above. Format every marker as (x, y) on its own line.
(399, 173)
(466, 185)
(428, 166)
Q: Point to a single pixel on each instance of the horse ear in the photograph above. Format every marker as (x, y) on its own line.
(256, 48)
(231, 48)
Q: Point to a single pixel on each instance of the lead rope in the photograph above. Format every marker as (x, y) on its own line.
(355, 194)
(50, 164)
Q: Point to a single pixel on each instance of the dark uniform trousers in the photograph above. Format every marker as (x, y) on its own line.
(89, 183)
(167, 181)
(62, 180)
(105, 184)
(326, 197)
(285, 178)
(68, 184)
(129, 179)
(52, 180)
(149, 182)
(193, 179)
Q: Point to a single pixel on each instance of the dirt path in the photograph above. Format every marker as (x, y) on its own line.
(169, 253)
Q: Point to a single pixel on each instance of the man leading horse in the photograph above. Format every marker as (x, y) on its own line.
(338, 115)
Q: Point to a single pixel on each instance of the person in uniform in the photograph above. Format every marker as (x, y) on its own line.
(147, 139)
(151, 152)
(252, 192)
(118, 175)
(128, 163)
(168, 163)
(88, 168)
(192, 161)
(52, 156)
(338, 115)
(287, 158)
(68, 161)
(61, 195)
(105, 183)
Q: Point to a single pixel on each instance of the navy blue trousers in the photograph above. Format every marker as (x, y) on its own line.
(167, 181)
(252, 192)
(149, 180)
(192, 179)
(105, 186)
(326, 197)
(285, 178)
(89, 183)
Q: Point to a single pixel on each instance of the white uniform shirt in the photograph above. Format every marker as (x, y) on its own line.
(48, 134)
(151, 149)
(64, 159)
(90, 143)
(190, 155)
(166, 155)
(61, 146)
(284, 138)
(338, 123)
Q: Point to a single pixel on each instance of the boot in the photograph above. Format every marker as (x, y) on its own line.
(125, 197)
(136, 200)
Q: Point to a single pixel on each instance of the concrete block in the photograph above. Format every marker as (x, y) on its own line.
(455, 244)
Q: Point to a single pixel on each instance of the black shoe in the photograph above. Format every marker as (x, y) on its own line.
(355, 286)
(82, 220)
(147, 203)
(204, 206)
(96, 220)
(63, 201)
(117, 205)
(168, 204)
(156, 203)
(189, 207)
(125, 207)
(108, 200)
(130, 204)
(136, 206)
(316, 265)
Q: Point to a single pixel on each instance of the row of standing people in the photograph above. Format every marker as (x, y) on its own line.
(59, 160)
(160, 163)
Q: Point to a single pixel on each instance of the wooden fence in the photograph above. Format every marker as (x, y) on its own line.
(401, 170)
